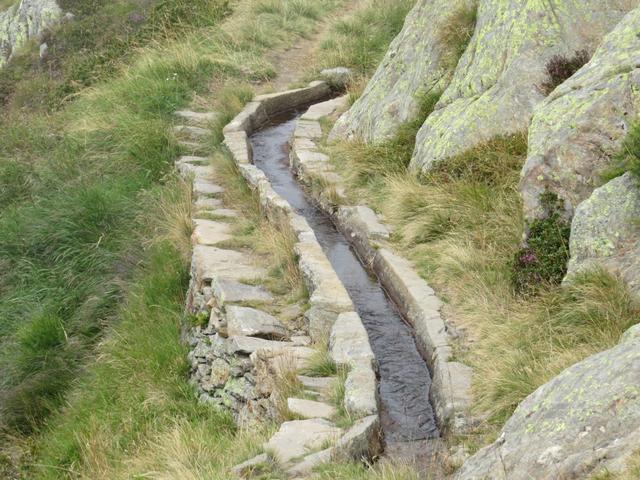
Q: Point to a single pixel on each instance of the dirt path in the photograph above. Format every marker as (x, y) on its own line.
(294, 63)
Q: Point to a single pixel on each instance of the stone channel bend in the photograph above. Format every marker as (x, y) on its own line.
(404, 379)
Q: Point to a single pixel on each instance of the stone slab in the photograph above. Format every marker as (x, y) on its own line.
(310, 408)
(197, 118)
(349, 341)
(362, 441)
(297, 438)
(211, 262)
(251, 322)
(310, 462)
(228, 290)
(192, 132)
(209, 232)
(249, 345)
(360, 391)
(206, 187)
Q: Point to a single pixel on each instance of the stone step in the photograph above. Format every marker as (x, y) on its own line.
(197, 118)
(310, 408)
(206, 188)
(195, 160)
(209, 232)
(321, 385)
(248, 345)
(226, 212)
(227, 290)
(299, 437)
(191, 146)
(204, 203)
(212, 262)
(194, 133)
(251, 322)
(203, 172)
(305, 467)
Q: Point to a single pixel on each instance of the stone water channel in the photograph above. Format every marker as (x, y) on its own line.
(404, 379)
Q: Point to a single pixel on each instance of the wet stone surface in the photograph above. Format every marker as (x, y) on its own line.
(404, 382)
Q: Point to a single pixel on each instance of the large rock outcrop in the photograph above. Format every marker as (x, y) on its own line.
(584, 420)
(576, 130)
(416, 63)
(498, 80)
(605, 231)
(24, 20)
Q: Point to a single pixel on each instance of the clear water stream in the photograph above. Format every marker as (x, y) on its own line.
(404, 380)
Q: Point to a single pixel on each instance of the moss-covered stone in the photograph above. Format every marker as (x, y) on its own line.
(499, 79)
(606, 231)
(581, 422)
(577, 130)
(416, 63)
(22, 21)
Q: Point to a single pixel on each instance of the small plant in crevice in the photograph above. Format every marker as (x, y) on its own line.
(627, 159)
(457, 31)
(543, 260)
(560, 68)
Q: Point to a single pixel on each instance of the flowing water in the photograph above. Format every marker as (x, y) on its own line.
(406, 414)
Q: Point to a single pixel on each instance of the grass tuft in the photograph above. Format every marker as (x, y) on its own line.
(457, 31)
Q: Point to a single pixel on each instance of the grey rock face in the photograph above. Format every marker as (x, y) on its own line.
(23, 21)
(584, 420)
(582, 123)
(498, 80)
(414, 64)
(605, 231)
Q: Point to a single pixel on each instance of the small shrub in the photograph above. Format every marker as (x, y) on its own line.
(560, 68)
(543, 260)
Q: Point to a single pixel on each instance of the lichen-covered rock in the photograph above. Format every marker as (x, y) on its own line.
(605, 231)
(498, 80)
(22, 21)
(584, 420)
(415, 64)
(582, 123)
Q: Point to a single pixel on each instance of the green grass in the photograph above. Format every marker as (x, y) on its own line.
(84, 180)
(358, 471)
(360, 42)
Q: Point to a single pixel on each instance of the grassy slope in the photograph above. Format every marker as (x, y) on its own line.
(89, 178)
(462, 227)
